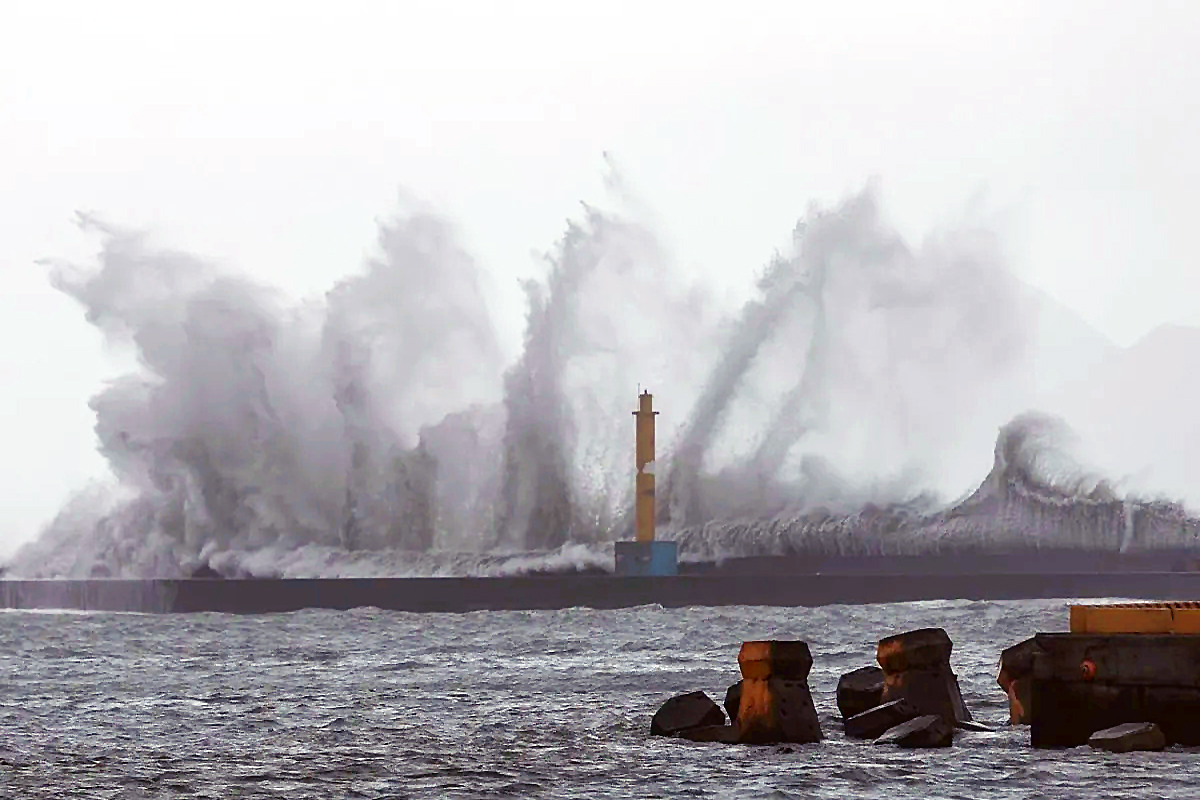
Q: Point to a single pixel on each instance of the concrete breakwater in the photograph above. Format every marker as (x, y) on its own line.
(258, 596)
(915, 702)
(1118, 691)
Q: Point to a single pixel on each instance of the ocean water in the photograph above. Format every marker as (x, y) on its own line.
(371, 704)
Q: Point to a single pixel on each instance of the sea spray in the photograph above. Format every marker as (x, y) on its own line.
(612, 311)
(874, 357)
(377, 431)
(253, 425)
(1035, 496)
(537, 499)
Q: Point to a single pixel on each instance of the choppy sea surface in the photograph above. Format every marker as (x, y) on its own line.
(372, 704)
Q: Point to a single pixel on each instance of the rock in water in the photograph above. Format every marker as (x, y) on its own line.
(916, 666)
(1129, 737)
(859, 691)
(733, 698)
(691, 710)
(930, 730)
(876, 721)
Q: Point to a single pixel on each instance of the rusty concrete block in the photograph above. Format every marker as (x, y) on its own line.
(774, 710)
(788, 660)
(916, 666)
(1016, 679)
(925, 647)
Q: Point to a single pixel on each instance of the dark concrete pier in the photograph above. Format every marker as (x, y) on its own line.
(260, 596)
(1083, 683)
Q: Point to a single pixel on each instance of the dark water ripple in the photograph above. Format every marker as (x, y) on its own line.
(376, 704)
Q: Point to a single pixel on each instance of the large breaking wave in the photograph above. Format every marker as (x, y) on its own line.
(378, 430)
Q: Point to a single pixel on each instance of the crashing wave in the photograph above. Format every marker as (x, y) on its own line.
(1034, 497)
(378, 430)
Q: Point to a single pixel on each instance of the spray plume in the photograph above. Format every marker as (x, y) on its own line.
(378, 431)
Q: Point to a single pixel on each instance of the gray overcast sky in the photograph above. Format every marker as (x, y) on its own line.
(270, 136)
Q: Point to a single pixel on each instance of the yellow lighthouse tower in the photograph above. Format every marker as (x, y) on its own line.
(645, 556)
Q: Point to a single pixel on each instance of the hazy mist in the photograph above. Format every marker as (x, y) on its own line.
(251, 335)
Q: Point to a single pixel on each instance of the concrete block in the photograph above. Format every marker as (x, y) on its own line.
(877, 721)
(725, 734)
(788, 660)
(916, 666)
(1129, 737)
(1016, 679)
(859, 691)
(775, 710)
(931, 691)
(1127, 659)
(733, 698)
(1083, 683)
(930, 730)
(691, 710)
(926, 647)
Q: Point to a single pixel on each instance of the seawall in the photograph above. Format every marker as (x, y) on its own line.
(592, 591)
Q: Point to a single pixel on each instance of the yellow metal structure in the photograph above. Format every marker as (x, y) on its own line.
(644, 482)
(1181, 617)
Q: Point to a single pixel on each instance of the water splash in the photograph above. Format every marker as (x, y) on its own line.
(377, 430)
(1035, 496)
(253, 425)
(874, 359)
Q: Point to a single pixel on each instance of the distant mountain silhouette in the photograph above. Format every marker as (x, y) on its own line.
(1067, 346)
(1135, 409)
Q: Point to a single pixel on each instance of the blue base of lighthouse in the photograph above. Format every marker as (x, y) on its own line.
(647, 558)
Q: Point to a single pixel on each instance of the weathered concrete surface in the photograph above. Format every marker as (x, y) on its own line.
(877, 721)
(146, 596)
(926, 731)
(932, 691)
(1084, 683)
(859, 691)
(691, 710)
(269, 596)
(790, 660)
(725, 734)
(916, 667)
(1016, 679)
(1129, 737)
(776, 705)
(776, 710)
(733, 698)
(922, 648)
